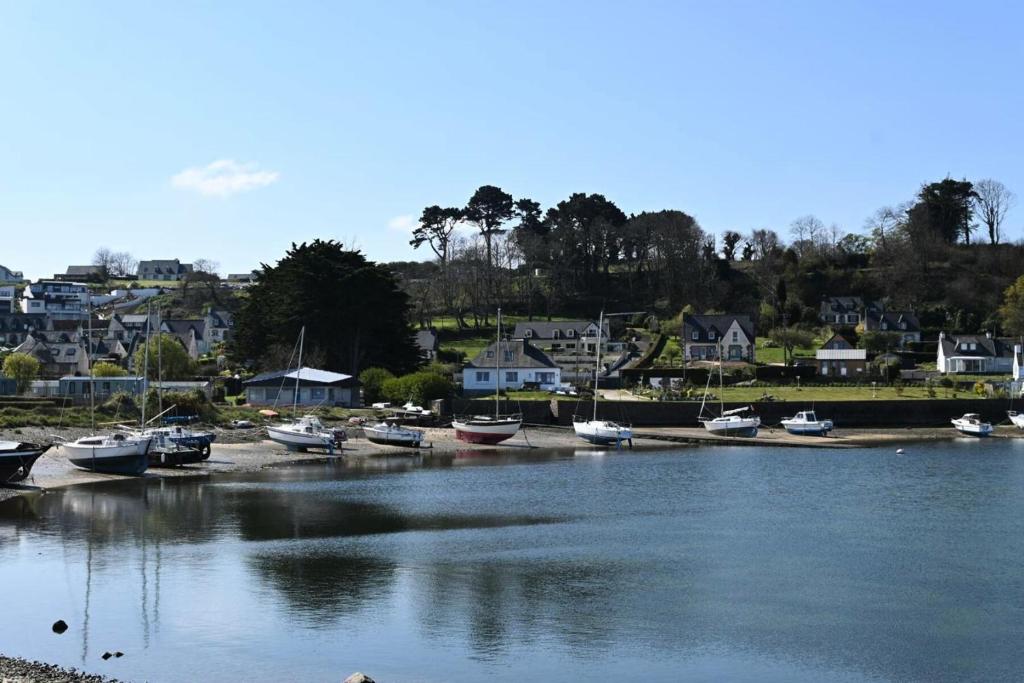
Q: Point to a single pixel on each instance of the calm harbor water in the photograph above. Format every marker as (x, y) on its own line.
(703, 564)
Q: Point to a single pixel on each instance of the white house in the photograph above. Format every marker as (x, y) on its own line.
(975, 354)
(59, 300)
(521, 364)
(703, 335)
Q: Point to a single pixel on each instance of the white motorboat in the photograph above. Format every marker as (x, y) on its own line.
(1016, 418)
(393, 435)
(602, 432)
(807, 422)
(595, 431)
(489, 429)
(110, 453)
(733, 423)
(412, 409)
(971, 424)
(306, 432)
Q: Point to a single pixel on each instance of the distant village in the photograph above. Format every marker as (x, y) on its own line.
(49, 320)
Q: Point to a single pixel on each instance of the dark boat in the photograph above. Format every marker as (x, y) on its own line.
(17, 458)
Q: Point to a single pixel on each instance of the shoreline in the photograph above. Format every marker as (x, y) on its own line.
(248, 452)
(19, 670)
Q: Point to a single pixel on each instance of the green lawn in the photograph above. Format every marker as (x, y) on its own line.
(774, 355)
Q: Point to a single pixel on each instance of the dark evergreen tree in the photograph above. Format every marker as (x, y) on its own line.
(354, 313)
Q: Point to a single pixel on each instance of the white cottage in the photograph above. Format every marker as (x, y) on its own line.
(703, 335)
(520, 364)
(975, 354)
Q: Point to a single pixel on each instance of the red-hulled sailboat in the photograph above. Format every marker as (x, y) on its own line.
(489, 429)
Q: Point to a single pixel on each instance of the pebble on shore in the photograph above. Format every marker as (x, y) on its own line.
(17, 670)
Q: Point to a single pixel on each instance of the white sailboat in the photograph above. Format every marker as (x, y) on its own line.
(971, 424)
(735, 422)
(602, 432)
(393, 435)
(489, 429)
(1016, 418)
(307, 431)
(107, 453)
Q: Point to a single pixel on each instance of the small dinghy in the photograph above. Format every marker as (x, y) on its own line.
(17, 458)
(971, 424)
(806, 422)
(393, 435)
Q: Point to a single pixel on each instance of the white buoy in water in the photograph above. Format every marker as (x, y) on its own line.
(899, 451)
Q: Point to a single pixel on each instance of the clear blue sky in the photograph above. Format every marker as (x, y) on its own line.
(343, 118)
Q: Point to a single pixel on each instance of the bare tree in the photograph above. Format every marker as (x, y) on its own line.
(807, 231)
(883, 222)
(123, 264)
(205, 265)
(992, 202)
(104, 258)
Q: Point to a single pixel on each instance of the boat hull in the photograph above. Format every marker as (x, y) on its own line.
(809, 429)
(175, 457)
(297, 441)
(743, 428)
(602, 435)
(1017, 419)
(973, 431)
(473, 432)
(392, 439)
(16, 463)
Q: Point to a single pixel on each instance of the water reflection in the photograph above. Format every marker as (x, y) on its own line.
(855, 565)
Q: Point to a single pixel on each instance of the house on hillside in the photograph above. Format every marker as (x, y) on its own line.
(190, 332)
(571, 344)
(82, 274)
(902, 323)
(218, 326)
(7, 297)
(16, 327)
(58, 300)
(13, 277)
(164, 269)
(316, 388)
(427, 343)
(520, 364)
(703, 335)
(841, 311)
(56, 358)
(838, 358)
(975, 354)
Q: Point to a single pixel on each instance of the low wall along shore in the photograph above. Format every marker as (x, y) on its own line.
(877, 413)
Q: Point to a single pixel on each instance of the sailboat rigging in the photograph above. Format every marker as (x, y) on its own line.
(730, 422)
(308, 431)
(603, 432)
(485, 428)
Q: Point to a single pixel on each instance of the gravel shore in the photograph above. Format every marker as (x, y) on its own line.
(15, 670)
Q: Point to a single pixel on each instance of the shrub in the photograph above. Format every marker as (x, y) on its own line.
(108, 369)
(373, 380)
(22, 368)
(185, 403)
(419, 387)
(121, 404)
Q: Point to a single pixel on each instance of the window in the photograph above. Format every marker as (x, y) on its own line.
(490, 354)
(735, 336)
(711, 334)
(903, 326)
(510, 356)
(695, 336)
(511, 376)
(483, 376)
(570, 333)
(529, 334)
(884, 325)
(316, 393)
(556, 335)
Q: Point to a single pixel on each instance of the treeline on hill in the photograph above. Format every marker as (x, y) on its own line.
(585, 253)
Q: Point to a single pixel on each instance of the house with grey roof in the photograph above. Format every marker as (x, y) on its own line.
(426, 341)
(512, 364)
(571, 344)
(13, 277)
(170, 270)
(841, 311)
(316, 388)
(704, 337)
(190, 332)
(976, 354)
(902, 323)
(82, 274)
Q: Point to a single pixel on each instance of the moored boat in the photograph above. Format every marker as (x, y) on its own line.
(602, 432)
(187, 437)
(971, 424)
(393, 435)
(733, 423)
(489, 429)
(807, 422)
(17, 459)
(486, 429)
(110, 453)
(304, 433)
(1016, 418)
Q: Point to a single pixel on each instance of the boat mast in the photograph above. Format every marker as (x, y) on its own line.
(497, 370)
(88, 363)
(145, 370)
(721, 383)
(298, 373)
(159, 363)
(597, 365)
